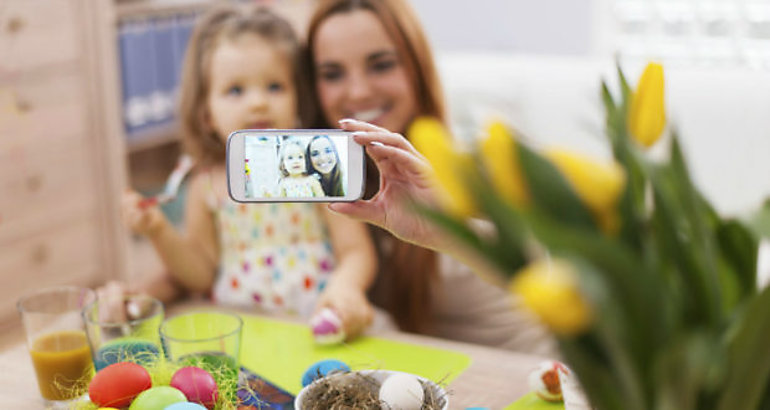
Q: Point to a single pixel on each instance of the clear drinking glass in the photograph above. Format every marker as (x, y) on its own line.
(57, 341)
(124, 331)
(209, 340)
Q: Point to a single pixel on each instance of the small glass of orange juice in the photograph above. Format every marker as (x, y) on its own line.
(57, 341)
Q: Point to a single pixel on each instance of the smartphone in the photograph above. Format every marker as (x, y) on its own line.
(294, 166)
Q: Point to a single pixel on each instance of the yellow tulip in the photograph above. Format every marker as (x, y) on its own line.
(647, 116)
(429, 136)
(550, 290)
(599, 185)
(500, 156)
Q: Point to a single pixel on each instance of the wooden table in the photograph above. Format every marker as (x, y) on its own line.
(494, 379)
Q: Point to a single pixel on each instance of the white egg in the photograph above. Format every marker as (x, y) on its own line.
(402, 391)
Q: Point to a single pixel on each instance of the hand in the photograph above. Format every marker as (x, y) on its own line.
(141, 216)
(404, 175)
(350, 304)
(112, 302)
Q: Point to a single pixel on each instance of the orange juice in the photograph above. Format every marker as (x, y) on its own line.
(62, 363)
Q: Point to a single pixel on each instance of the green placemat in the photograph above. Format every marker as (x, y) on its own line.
(530, 401)
(281, 352)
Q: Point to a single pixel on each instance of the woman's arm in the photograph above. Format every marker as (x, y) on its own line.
(355, 271)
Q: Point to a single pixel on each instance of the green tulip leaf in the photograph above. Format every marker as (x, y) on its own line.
(739, 247)
(551, 192)
(749, 357)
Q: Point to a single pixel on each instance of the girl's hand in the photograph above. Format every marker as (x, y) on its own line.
(351, 306)
(111, 299)
(120, 302)
(404, 175)
(141, 216)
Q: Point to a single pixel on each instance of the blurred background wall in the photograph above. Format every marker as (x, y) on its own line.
(539, 64)
(88, 88)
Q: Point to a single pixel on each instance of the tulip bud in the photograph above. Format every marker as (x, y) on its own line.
(501, 160)
(429, 136)
(647, 117)
(598, 185)
(550, 290)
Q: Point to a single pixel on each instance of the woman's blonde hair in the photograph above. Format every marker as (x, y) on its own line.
(406, 270)
(228, 23)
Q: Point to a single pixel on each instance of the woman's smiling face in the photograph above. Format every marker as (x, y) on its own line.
(323, 155)
(360, 74)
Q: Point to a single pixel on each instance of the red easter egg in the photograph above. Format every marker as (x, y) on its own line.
(197, 385)
(117, 384)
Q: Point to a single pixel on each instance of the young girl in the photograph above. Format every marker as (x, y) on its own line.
(242, 70)
(295, 181)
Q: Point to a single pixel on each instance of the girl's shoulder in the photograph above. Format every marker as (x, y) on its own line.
(208, 184)
(207, 177)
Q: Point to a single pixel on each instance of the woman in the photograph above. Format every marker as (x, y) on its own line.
(370, 61)
(323, 160)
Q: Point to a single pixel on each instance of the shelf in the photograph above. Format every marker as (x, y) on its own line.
(152, 138)
(128, 9)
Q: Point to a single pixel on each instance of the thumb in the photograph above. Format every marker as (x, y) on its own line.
(361, 210)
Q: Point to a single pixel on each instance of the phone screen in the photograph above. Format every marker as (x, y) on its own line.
(295, 166)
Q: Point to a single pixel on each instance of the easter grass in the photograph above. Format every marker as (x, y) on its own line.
(161, 372)
(354, 390)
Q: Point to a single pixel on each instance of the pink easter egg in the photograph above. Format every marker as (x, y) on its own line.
(197, 385)
(327, 327)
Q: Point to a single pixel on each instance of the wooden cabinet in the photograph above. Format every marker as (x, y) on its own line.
(61, 164)
(65, 159)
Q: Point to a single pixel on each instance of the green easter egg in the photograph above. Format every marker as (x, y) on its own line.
(157, 398)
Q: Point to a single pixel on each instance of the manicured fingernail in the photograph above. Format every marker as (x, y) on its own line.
(346, 120)
(377, 144)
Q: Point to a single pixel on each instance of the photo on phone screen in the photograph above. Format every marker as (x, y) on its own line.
(293, 166)
(302, 165)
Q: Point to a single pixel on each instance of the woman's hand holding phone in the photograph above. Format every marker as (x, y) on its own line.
(404, 175)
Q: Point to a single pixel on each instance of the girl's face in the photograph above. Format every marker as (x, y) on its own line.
(294, 160)
(322, 155)
(251, 86)
(360, 73)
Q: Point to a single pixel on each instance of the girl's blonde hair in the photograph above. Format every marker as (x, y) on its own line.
(228, 23)
(406, 275)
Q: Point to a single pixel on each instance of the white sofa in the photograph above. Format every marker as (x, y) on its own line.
(723, 115)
